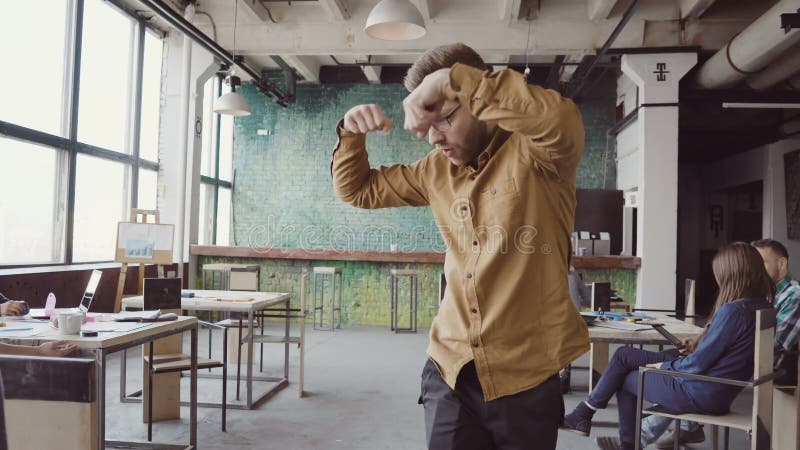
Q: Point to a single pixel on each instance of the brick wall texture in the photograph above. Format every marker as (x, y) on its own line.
(283, 195)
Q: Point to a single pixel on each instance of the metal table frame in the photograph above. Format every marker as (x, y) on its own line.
(252, 313)
(101, 355)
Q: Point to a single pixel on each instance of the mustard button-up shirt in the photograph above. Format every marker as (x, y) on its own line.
(506, 224)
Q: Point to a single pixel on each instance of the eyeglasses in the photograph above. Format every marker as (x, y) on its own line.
(445, 123)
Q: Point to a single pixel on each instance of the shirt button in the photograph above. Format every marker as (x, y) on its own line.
(469, 275)
(474, 311)
(475, 344)
(471, 177)
(494, 191)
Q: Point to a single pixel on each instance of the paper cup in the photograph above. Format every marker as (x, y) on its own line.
(70, 323)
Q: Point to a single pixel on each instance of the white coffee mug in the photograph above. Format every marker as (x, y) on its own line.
(70, 323)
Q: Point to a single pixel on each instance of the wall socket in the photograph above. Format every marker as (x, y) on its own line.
(264, 132)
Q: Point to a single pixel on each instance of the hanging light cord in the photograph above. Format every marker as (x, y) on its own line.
(527, 46)
(235, 16)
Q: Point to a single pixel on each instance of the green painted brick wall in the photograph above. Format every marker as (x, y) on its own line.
(283, 195)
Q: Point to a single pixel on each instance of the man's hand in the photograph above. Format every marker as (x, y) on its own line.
(57, 348)
(686, 348)
(424, 104)
(365, 118)
(12, 308)
(655, 365)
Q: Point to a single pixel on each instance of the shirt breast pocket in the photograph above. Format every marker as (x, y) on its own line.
(501, 203)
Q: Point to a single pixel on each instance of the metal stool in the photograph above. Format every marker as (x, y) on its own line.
(413, 288)
(321, 274)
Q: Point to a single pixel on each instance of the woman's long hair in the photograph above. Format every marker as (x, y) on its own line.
(740, 273)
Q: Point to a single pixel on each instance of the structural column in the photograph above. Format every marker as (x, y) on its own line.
(655, 175)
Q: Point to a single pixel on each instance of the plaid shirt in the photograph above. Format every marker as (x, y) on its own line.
(787, 302)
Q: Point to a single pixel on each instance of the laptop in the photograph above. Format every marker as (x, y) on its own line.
(86, 300)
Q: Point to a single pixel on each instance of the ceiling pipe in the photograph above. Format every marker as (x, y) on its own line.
(783, 68)
(584, 70)
(751, 50)
(162, 10)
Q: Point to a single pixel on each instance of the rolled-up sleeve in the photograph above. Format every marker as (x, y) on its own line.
(552, 122)
(357, 184)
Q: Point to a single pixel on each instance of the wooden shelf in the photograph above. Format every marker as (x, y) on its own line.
(579, 262)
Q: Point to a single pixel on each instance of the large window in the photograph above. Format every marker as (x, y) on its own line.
(78, 128)
(216, 169)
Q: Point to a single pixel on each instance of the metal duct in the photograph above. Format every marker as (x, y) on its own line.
(784, 67)
(751, 50)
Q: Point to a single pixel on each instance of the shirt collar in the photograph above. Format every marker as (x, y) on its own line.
(783, 284)
(499, 138)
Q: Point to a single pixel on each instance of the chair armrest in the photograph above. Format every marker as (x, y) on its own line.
(694, 376)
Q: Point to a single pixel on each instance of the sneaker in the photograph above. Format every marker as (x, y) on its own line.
(579, 421)
(612, 443)
(686, 437)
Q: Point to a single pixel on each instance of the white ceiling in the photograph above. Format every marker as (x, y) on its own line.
(307, 32)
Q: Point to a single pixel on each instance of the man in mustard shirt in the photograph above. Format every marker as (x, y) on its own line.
(501, 185)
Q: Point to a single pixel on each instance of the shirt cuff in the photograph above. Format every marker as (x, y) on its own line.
(347, 141)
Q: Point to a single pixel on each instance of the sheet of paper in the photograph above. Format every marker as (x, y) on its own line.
(113, 327)
(621, 325)
(142, 315)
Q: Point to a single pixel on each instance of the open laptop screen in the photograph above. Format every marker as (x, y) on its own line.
(91, 287)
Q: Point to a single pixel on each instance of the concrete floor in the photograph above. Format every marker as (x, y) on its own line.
(362, 385)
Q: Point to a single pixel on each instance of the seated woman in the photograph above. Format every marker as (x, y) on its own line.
(725, 349)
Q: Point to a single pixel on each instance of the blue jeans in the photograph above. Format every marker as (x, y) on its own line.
(622, 378)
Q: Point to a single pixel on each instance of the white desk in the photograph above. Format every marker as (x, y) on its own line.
(109, 342)
(205, 300)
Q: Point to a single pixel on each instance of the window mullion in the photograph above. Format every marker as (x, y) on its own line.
(73, 133)
(137, 113)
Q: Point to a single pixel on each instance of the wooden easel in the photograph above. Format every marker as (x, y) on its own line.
(167, 405)
(137, 216)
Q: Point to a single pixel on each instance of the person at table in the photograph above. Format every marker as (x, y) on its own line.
(10, 307)
(724, 349)
(56, 348)
(787, 332)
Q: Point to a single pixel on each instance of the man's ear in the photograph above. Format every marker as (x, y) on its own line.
(783, 263)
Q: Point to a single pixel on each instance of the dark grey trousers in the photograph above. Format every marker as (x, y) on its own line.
(460, 419)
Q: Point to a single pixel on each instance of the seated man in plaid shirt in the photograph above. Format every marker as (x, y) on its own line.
(787, 304)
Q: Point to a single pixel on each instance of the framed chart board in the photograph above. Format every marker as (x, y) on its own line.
(144, 243)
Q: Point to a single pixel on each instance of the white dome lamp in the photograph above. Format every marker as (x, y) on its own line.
(395, 20)
(232, 103)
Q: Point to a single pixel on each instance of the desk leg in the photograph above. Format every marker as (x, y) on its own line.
(598, 362)
(286, 346)
(100, 359)
(193, 392)
(250, 360)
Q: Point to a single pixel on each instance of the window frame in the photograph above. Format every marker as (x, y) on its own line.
(69, 147)
(215, 182)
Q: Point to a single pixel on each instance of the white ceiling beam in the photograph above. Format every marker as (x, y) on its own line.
(306, 66)
(425, 8)
(255, 7)
(600, 9)
(508, 10)
(337, 10)
(373, 73)
(568, 70)
(693, 9)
